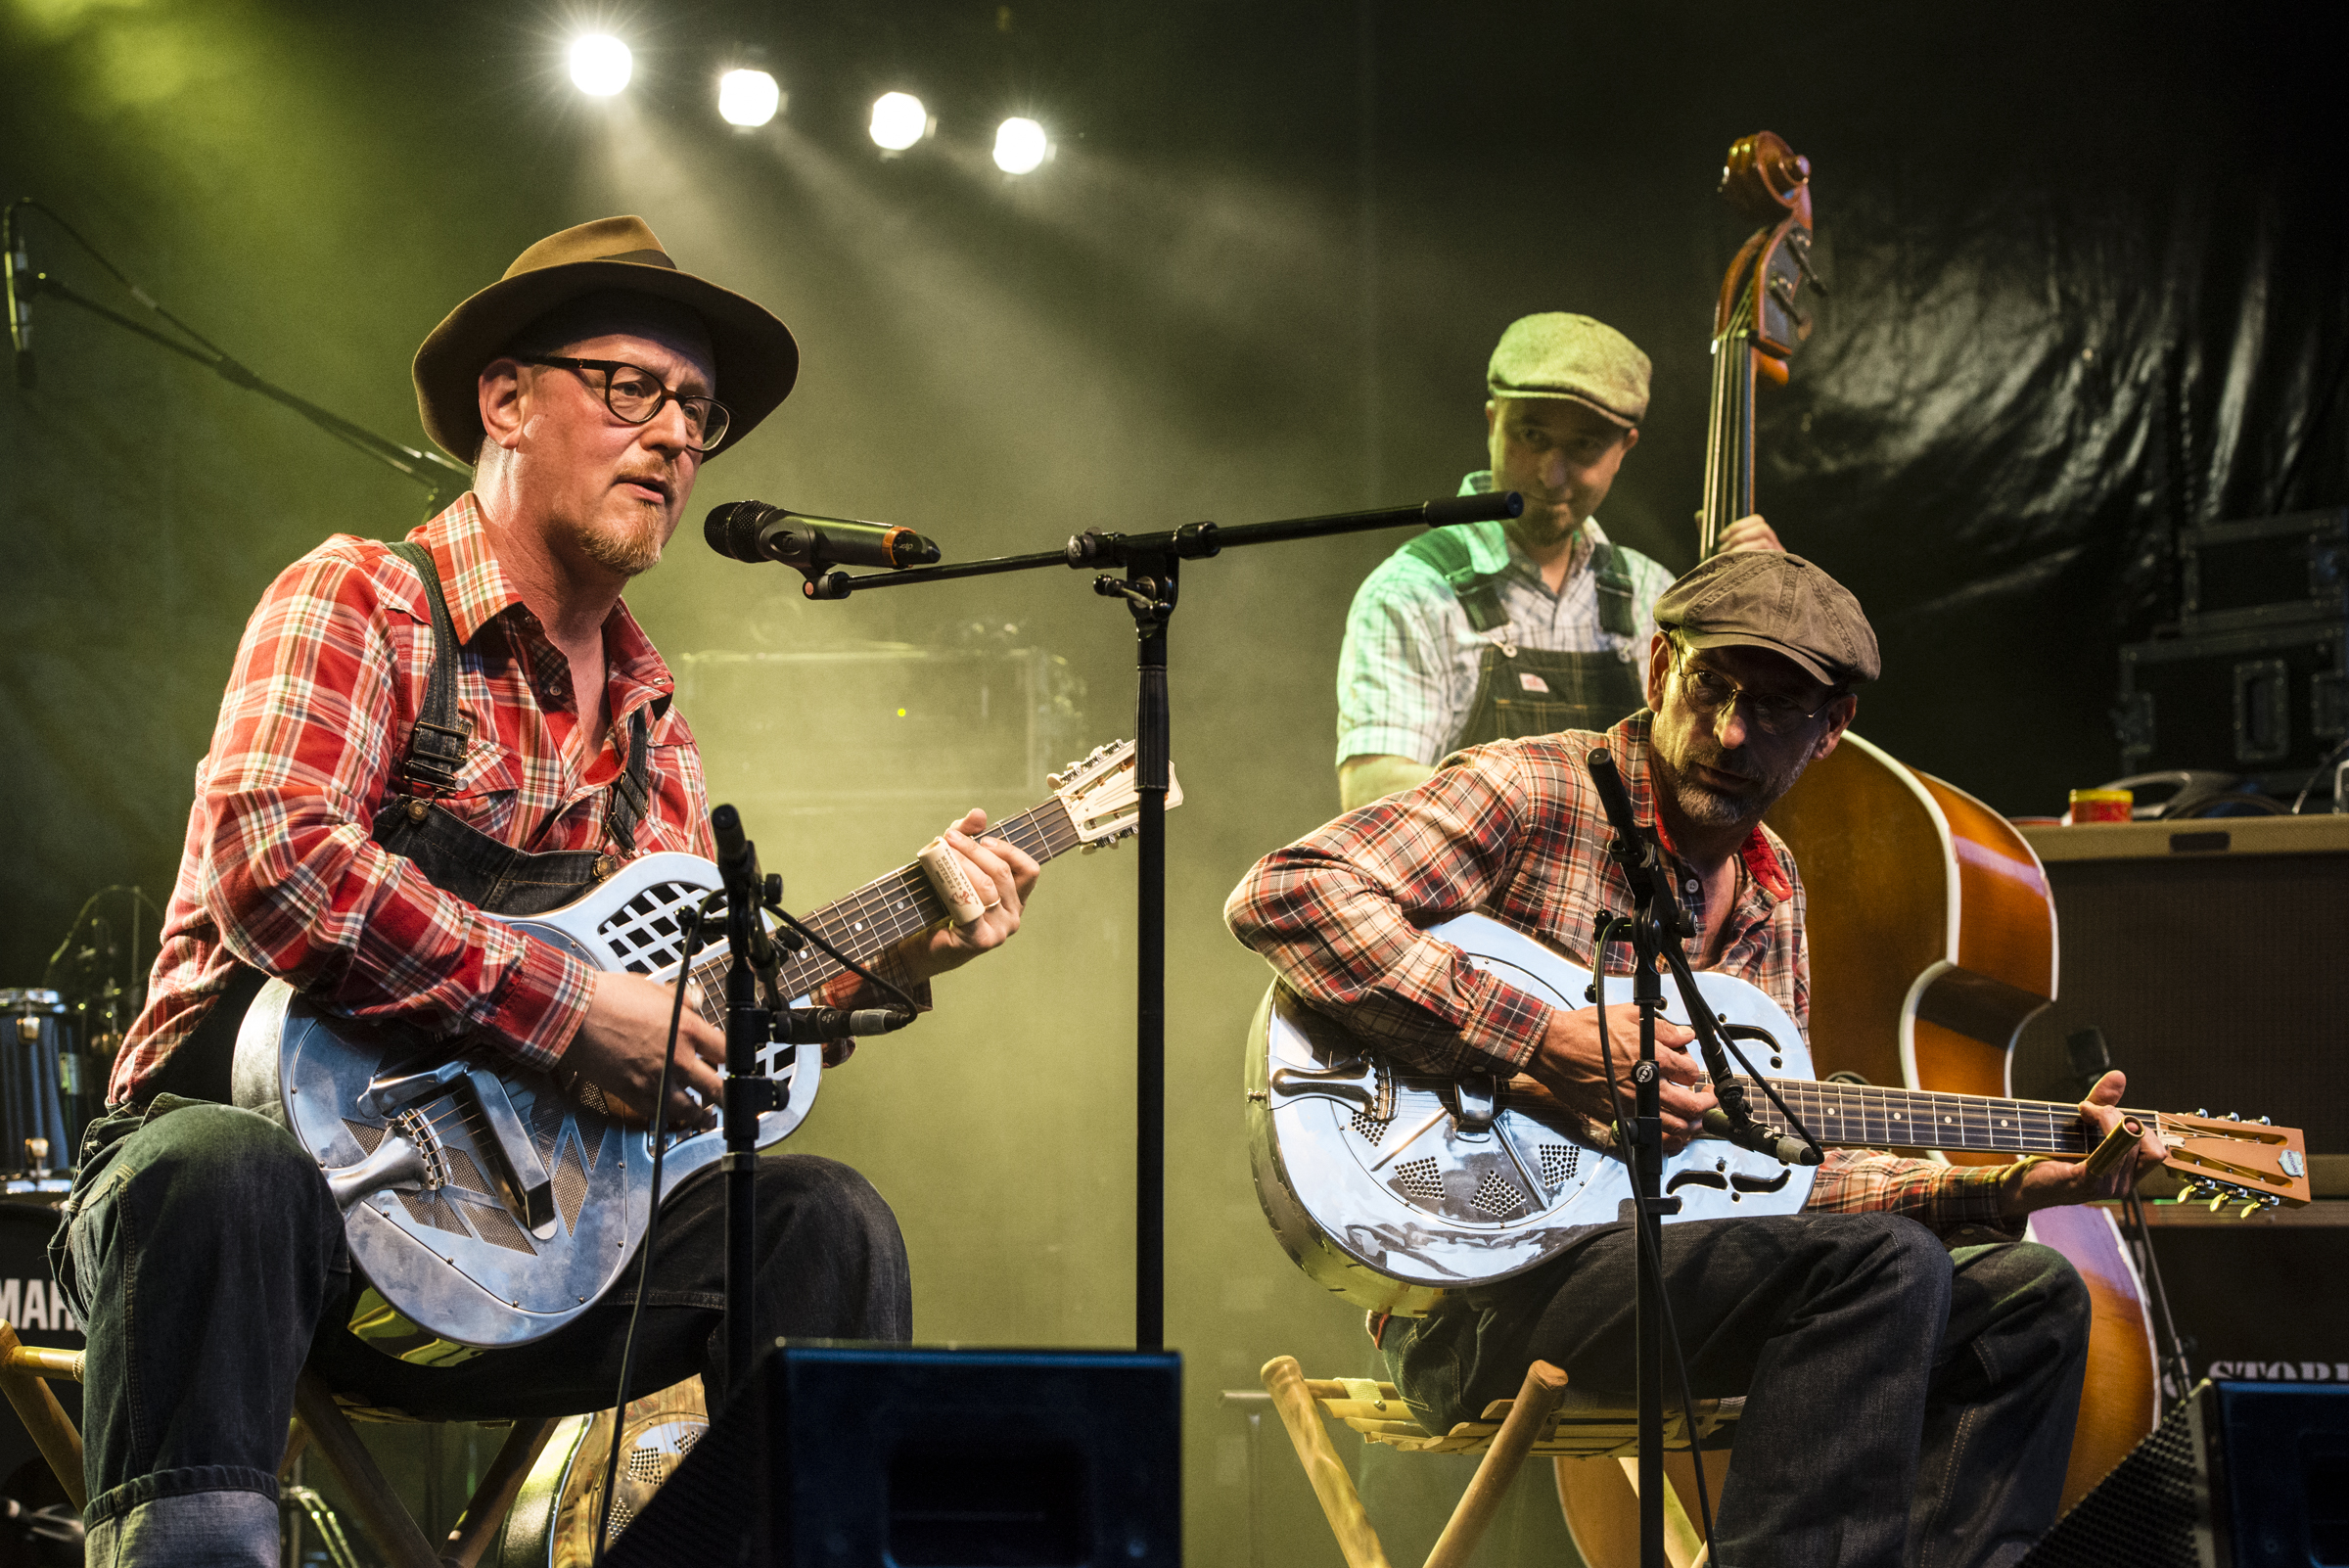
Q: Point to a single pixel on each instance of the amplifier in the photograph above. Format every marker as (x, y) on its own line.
(2239, 1475)
(2258, 1298)
(2210, 953)
(863, 1455)
(2265, 570)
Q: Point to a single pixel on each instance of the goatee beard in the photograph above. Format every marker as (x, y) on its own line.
(630, 549)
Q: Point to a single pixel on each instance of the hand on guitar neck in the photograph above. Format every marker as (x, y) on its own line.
(1003, 877)
(2053, 1183)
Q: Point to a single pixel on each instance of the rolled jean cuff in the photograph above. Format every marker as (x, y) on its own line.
(157, 1484)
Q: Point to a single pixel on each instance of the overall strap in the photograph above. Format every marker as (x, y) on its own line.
(436, 746)
(1614, 591)
(1477, 592)
(631, 792)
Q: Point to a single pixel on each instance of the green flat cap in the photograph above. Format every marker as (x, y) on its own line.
(1768, 599)
(1557, 354)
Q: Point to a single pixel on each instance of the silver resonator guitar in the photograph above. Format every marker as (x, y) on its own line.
(488, 1209)
(1389, 1189)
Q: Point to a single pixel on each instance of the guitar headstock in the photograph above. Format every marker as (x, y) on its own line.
(2227, 1160)
(1100, 791)
(1769, 182)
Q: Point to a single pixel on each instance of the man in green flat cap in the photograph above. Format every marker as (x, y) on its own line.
(1496, 630)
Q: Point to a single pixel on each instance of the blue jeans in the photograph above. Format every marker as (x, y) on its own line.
(205, 1260)
(1904, 1403)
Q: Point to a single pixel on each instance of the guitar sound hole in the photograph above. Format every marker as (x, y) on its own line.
(1419, 1180)
(1498, 1197)
(1558, 1163)
(1369, 1129)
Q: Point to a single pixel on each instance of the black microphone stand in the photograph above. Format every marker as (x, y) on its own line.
(1658, 923)
(1152, 564)
(443, 479)
(748, 1094)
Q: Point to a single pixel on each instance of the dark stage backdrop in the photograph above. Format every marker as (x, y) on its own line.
(2088, 265)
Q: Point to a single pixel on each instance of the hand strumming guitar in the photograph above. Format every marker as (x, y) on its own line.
(1569, 1064)
(620, 1046)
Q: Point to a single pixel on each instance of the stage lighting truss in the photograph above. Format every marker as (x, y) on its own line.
(1020, 145)
(899, 121)
(600, 64)
(748, 98)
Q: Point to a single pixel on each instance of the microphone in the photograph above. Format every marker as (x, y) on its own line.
(20, 306)
(736, 857)
(1752, 1134)
(753, 530)
(1608, 781)
(813, 1026)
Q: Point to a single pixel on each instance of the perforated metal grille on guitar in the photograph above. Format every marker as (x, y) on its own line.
(431, 1209)
(1418, 1178)
(1370, 1128)
(648, 932)
(497, 1228)
(1558, 1162)
(463, 1172)
(1498, 1197)
(570, 1185)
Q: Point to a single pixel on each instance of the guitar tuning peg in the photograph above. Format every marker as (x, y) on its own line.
(2264, 1121)
(2201, 1112)
(2251, 1208)
(2218, 1201)
(2233, 1117)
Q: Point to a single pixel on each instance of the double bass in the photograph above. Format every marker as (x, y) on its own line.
(1930, 923)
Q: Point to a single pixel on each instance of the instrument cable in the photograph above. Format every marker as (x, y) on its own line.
(652, 1226)
(1648, 1241)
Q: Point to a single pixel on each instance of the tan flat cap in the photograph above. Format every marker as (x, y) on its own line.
(1556, 354)
(1768, 599)
(758, 359)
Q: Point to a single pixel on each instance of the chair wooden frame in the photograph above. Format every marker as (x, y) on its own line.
(1541, 1420)
(319, 1421)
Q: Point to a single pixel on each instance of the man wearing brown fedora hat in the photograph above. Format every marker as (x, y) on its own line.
(1491, 630)
(417, 737)
(1911, 1368)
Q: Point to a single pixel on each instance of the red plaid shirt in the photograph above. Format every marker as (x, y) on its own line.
(279, 871)
(1516, 830)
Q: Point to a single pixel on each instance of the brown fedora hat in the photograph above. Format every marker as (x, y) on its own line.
(758, 359)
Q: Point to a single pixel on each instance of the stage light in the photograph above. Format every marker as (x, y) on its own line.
(600, 64)
(899, 121)
(748, 98)
(1020, 146)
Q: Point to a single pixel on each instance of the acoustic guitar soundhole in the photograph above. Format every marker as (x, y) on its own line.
(1497, 1197)
(648, 932)
(1418, 1178)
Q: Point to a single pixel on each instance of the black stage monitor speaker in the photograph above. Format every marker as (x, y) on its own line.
(2240, 1475)
(882, 1456)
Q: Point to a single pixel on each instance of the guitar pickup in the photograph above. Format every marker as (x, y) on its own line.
(527, 1188)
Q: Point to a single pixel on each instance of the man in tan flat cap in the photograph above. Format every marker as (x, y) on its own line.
(1910, 1368)
(417, 739)
(1476, 633)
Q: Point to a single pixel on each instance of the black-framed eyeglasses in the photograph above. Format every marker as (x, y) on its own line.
(635, 395)
(1709, 692)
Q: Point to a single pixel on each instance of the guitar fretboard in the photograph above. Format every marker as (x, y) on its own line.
(1860, 1115)
(884, 912)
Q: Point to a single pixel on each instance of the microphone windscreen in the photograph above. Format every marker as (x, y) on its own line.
(732, 530)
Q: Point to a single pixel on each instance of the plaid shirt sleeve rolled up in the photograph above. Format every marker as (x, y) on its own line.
(1516, 831)
(279, 873)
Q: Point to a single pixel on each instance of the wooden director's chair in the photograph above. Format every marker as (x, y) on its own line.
(319, 1422)
(1578, 1433)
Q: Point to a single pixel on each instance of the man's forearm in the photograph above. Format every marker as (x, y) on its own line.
(1363, 779)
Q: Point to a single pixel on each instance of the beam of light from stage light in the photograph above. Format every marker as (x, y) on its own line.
(1020, 145)
(600, 64)
(748, 98)
(899, 121)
